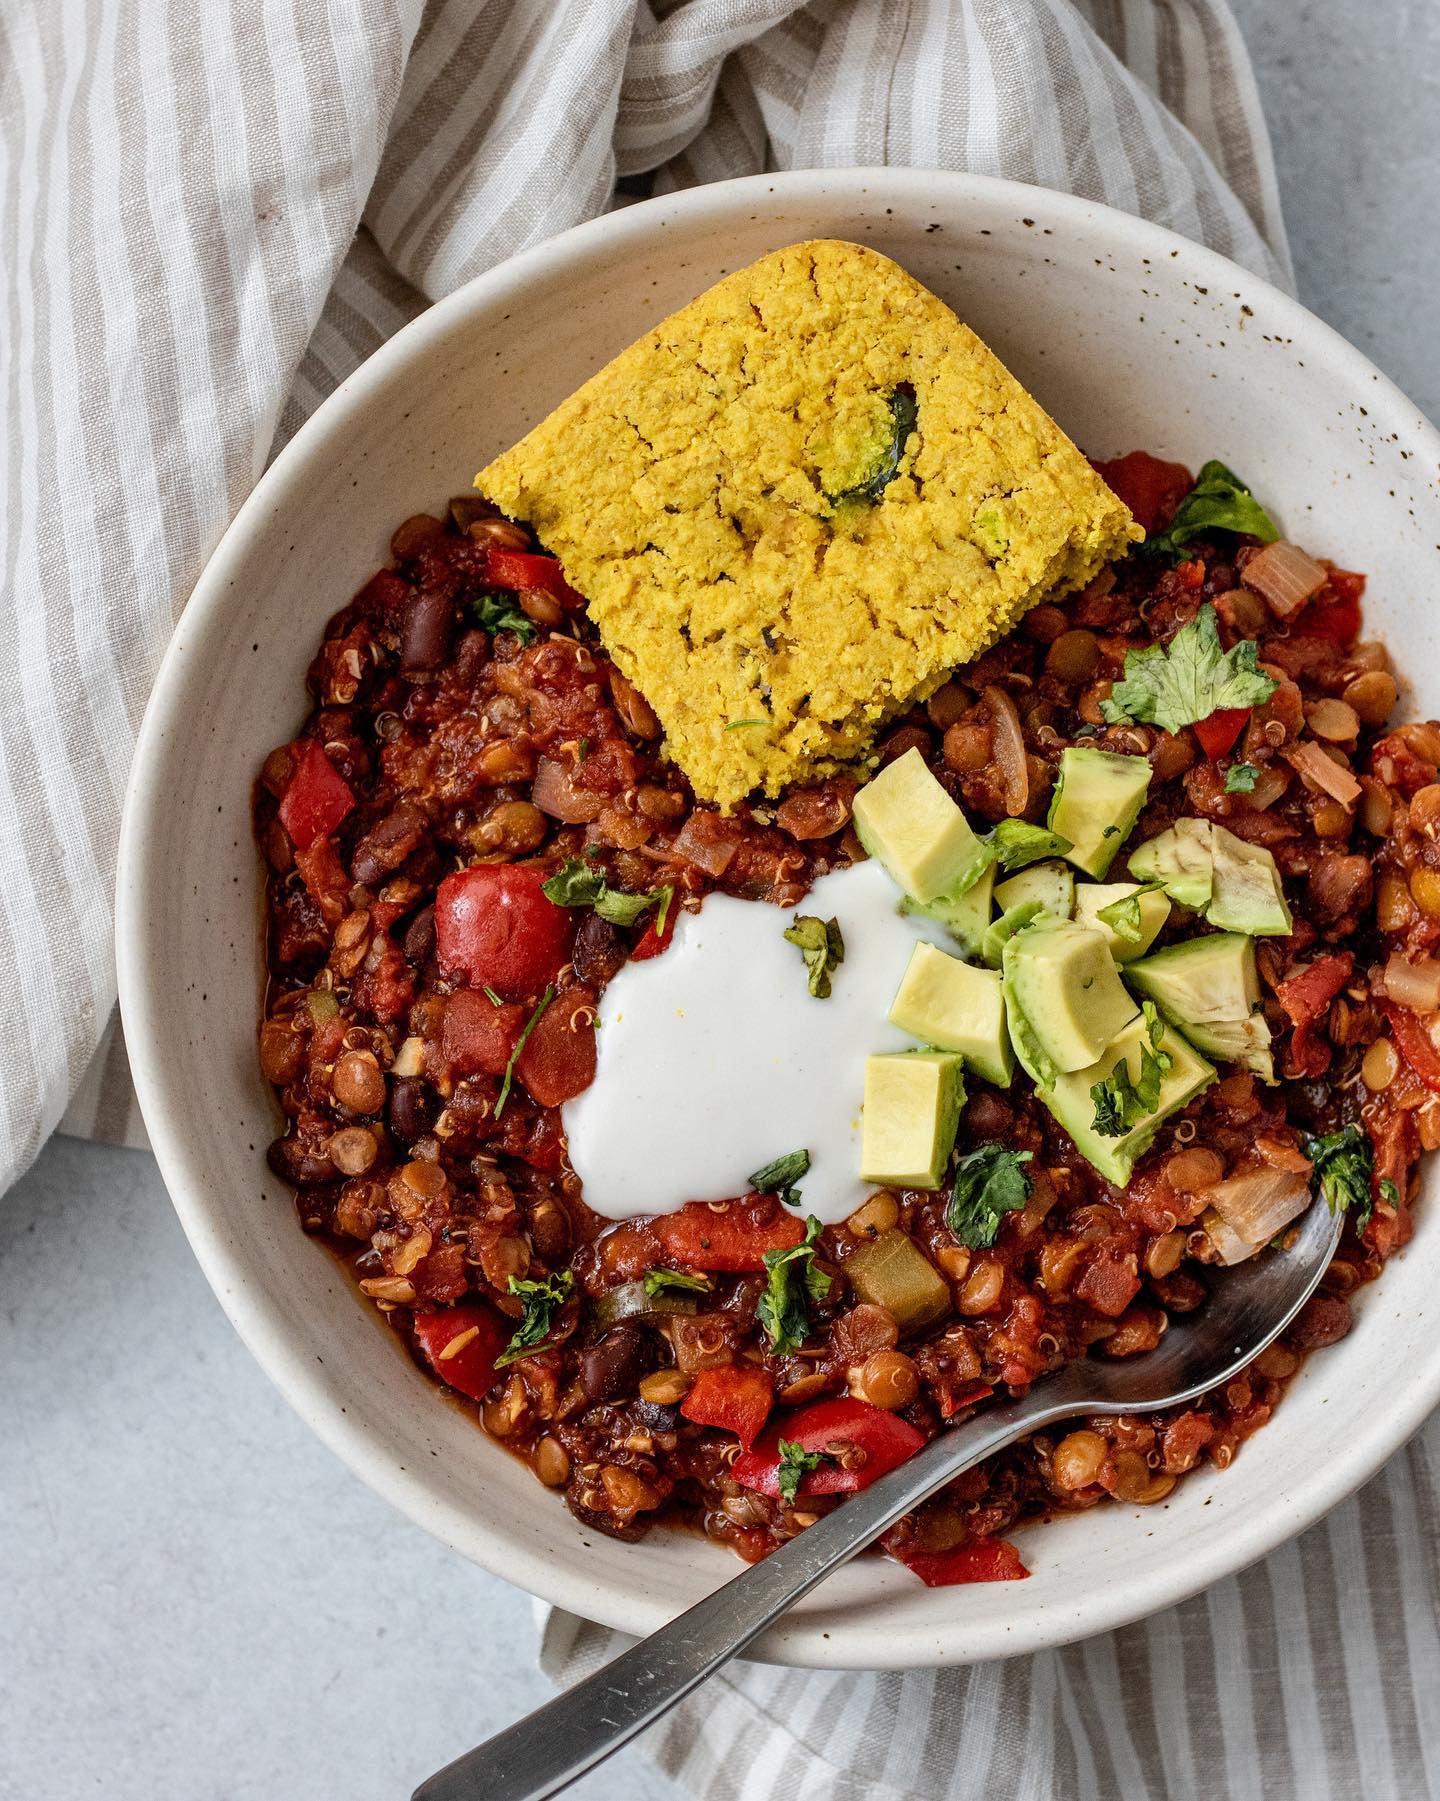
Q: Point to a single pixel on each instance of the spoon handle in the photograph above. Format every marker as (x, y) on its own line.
(558, 1743)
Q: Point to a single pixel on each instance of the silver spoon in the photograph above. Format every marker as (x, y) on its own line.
(554, 1746)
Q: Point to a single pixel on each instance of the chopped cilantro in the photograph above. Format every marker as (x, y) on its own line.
(796, 1464)
(1341, 1164)
(1121, 1103)
(820, 944)
(780, 1176)
(1240, 778)
(989, 1182)
(657, 1280)
(491, 996)
(1188, 680)
(541, 1299)
(1124, 915)
(1219, 502)
(1389, 1193)
(580, 884)
(792, 1282)
(499, 613)
(737, 725)
(530, 1025)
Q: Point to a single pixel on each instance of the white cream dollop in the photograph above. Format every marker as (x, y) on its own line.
(714, 1058)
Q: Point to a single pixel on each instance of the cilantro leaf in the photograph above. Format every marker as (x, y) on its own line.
(1341, 1165)
(780, 1176)
(1122, 1102)
(658, 1280)
(1219, 502)
(541, 1300)
(530, 1025)
(1012, 844)
(792, 1282)
(578, 883)
(1240, 778)
(796, 1464)
(1124, 915)
(821, 945)
(989, 1182)
(1188, 680)
(496, 612)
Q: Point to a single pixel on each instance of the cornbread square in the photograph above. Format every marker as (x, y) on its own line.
(797, 504)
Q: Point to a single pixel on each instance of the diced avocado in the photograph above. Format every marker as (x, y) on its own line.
(1061, 982)
(908, 822)
(1148, 914)
(912, 1109)
(1182, 860)
(1248, 894)
(1208, 988)
(965, 916)
(894, 1273)
(1098, 798)
(1070, 1100)
(1002, 930)
(1050, 883)
(948, 1004)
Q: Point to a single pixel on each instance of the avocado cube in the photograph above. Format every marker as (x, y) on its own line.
(1073, 1105)
(912, 1109)
(907, 821)
(1050, 883)
(1248, 894)
(1098, 798)
(1061, 982)
(1208, 988)
(1182, 859)
(965, 916)
(948, 1004)
(1149, 914)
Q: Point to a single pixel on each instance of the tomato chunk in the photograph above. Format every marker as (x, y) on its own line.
(470, 1364)
(495, 928)
(1151, 489)
(1306, 995)
(316, 800)
(477, 1037)
(882, 1440)
(982, 1560)
(558, 1059)
(701, 1238)
(1414, 1042)
(651, 941)
(1220, 730)
(524, 569)
(737, 1400)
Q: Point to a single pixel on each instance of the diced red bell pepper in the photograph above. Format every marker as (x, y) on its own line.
(1307, 994)
(1151, 489)
(477, 1037)
(558, 1059)
(524, 569)
(651, 941)
(883, 1441)
(316, 800)
(1414, 1042)
(470, 1365)
(701, 1238)
(494, 927)
(1220, 730)
(982, 1560)
(963, 1394)
(1335, 612)
(737, 1400)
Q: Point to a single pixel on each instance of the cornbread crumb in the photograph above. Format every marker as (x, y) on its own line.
(718, 493)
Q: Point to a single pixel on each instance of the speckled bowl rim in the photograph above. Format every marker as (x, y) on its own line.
(1114, 1602)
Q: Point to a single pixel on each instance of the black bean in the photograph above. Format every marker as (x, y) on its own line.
(388, 843)
(599, 951)
(425, 638)
(614, 1365)
(300, 1164)
(657, 1418)
(412, 1108)
(420, 937)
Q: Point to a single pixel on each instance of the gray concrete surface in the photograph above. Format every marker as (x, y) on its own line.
(196, 1601)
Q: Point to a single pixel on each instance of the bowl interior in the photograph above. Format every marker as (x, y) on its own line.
(1131, 338)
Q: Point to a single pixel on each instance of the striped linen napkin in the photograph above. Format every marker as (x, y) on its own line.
(209, 217)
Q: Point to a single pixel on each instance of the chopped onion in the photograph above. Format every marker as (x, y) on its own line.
(707, 842)
(1284, 576)
(1008, 742)
(1256, 1205)
(410, 1058)
(1415, 985)
(1323, 772)
(1228, 1243)
(1270, 786)
(554, 793)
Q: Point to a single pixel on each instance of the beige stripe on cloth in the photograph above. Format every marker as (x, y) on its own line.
(210, 217)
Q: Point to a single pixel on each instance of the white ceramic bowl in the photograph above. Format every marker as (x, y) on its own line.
(1132, 338)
